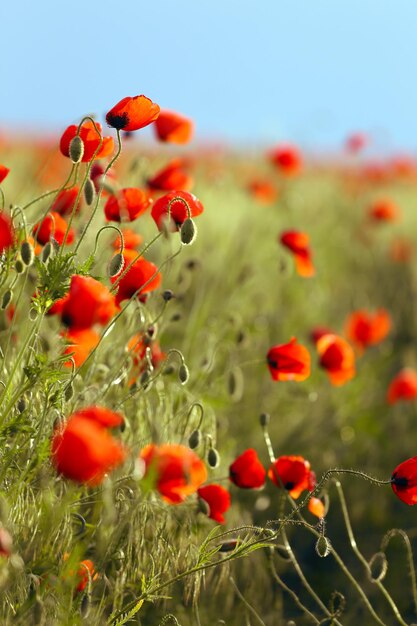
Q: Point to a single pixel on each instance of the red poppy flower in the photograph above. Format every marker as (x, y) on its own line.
(171, 177)
(65, 201)
(142, 277)
(287, 159)
(132, 113)
(53, 226)
(3, 172)
(289, 361)
(178, 471)
(178, 201)
(404, 481)
(247, 471)
(96, 175)
(80, 344)
(293, 473)
(88, 303)
(85, 572)
(298, 243)
(366, 329)
(6, 232)
(356, 142)
(337, 358)
(316, 507)
(403, 386)
(131, 240)
(84, 451)
(137, 347)
(384, 210)
(218, 500)
(173, 127)
(127, 205)
(263, 191)
(91, 141)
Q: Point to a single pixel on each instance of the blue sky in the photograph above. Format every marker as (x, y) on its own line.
(309, 71)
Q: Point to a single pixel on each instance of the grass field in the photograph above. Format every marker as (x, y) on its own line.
(108, 545)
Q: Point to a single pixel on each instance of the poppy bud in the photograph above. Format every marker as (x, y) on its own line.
(89, 191)
(85, 605)
(188, 232)
(235, 384)
(21, 405)
(176, 317)
(76, 149)
(183, 373)
(203, 506)
(38, 612)
(378, 566)
(116, 265)
(323, 546)
(168, 295)
(213, 458)
(27, 253)
(229, 546)
(194, 439)
(33, 314)
(47, 251)
(19, 266)
(145, 379)
(69, 392)
(264, 419)
(168, 370)
(7, 298)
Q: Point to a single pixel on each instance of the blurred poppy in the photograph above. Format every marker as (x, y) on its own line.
(293, 473)
(263, 191)
(127, 205)
(97, 176)
(132, 113)
(298, 243)
(142, 277)
(86, 571)
(137, 347)
(287, 159)
(356, 142)
(366, 329)
(6, 232)
(401, 250)
(89, 302)
(131, 240)
(65, 201)
(403, 386)
(384, 210)
(3, 172)
(404, 481)
(91, 140)
(337, 358)
(80, 344)
(218, 500)
(179, 205)
(84, 451)
(289, 361)
(316, 507)
(173, 127)
(53, 226)
(171, 177)
(177, 471)
(247, 471)
(6, 543)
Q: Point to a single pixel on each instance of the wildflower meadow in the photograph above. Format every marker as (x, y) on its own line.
(208, 379)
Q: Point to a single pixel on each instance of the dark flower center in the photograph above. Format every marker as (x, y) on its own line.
(117, 121)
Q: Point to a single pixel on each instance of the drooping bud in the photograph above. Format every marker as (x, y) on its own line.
(27, 253)
(168, 295)
(264, 419)
(194, 439)
(116, 265)
(19, 266)
(76, 149)
(21, 405)
(213, 458)
(188, 232)
(7, 298)
(47, 251)
(89, 191)
(183, 373)
(235, 384)
(323, 546)
(229, 545)
(69, 392)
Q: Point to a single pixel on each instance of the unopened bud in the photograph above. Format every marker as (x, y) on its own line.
(145, 379)
(116, 265)
(194, 439)
(76, 149)
(264, 419)
(188, 232)
(7, 298)
(69, 392)
(235, 384)
(176, 317)
(183, 373)
(85, 605)
(19, 266)
(323, 546)
(229, 546)
(47, 251)
(89, 191)
(168, 295)
(21, 405)
(213, 458)
(27, 253)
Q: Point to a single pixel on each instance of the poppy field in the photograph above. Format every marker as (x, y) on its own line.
(208, 379)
